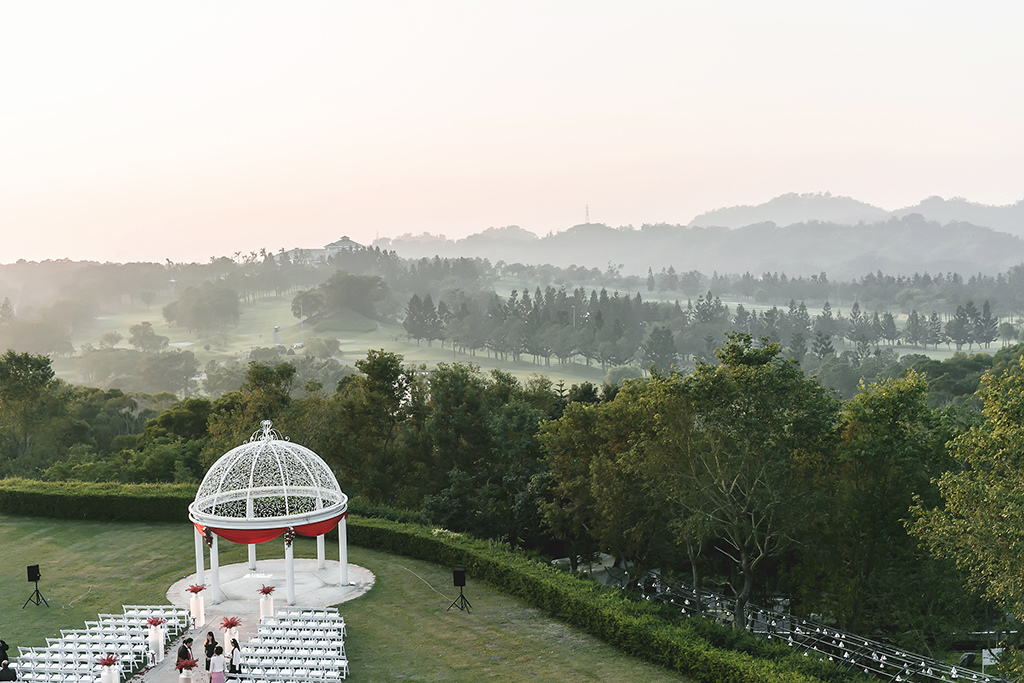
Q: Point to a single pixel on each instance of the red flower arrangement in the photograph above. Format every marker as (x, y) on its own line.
(266, 590)
(230, 622)
(156, 621)
(196, 588)
(186, 664)
(107, 660)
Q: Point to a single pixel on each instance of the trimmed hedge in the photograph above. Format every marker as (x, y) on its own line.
(634, 627)
(104, 502)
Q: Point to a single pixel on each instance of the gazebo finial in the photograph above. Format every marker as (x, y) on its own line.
(266, 432)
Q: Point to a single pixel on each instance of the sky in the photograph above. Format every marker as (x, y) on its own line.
(184, 130)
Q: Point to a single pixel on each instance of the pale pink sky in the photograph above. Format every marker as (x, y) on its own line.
(185, 130)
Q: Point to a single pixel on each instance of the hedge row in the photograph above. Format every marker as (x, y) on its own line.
(104, 502)
(634, 627)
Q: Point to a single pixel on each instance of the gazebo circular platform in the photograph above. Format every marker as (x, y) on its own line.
(266, 488)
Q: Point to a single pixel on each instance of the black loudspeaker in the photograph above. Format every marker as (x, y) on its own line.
(458, 577)
(33, 572)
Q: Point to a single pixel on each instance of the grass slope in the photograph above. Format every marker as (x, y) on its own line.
(400, 630)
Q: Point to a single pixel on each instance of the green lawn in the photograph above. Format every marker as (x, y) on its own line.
(400, 630)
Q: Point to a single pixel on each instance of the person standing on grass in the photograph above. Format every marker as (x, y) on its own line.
(218, 665)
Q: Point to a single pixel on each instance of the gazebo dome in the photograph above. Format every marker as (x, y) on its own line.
(268, 485)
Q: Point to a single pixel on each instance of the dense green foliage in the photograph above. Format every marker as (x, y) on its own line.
(744, 473)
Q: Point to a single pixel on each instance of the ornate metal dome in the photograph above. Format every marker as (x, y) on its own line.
(268, 482)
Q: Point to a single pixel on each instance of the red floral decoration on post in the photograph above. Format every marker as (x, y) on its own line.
(195, 589)
(230, 622)
(289, 536)
(186, 664)
(107, 660)
(156, 621)
(266, 590)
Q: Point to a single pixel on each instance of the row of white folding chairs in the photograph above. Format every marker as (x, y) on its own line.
(75, 641)
(294, 620)
(268, 650)
(64, 654)
(307, 634)
(297, 648)
(77, 669)
(298, 675)
(156, 611)
(50, 666)
(58, 678)
(331, 628)
(304, 625)
(124, 621)
(294, 643)
(63, 657)
(325, 661)
(304, 611)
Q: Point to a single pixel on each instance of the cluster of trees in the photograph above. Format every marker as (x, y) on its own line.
(616, 330)
(210, 306)
(744, 473)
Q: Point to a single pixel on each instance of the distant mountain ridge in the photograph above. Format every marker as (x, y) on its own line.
(824, 207)
(898, 245)
(793, 208)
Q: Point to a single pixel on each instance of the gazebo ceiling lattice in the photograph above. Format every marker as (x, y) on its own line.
(266, 487)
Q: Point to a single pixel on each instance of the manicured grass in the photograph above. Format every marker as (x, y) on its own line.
(400, 630)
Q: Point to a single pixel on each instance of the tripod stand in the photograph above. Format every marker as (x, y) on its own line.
(36, 598)
(461, 602)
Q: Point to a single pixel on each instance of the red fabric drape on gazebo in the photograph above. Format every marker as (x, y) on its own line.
(247, 536)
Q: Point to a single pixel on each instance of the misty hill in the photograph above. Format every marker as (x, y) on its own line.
(896, 245)
(793, 208)
(1008, 218)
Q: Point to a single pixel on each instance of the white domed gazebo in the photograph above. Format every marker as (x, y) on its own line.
(265, 488)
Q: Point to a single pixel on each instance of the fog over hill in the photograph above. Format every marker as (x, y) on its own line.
(796, 234)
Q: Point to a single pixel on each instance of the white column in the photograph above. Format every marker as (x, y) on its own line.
(215, 595)
(343, 549)
(252, 556)
(200, 558)
(321, 553)
(289, 571)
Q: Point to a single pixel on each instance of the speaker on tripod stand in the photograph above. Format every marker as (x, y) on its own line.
(459, 581)
(33, 577)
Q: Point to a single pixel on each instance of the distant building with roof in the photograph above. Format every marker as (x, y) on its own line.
(299, 255)
(344, 244)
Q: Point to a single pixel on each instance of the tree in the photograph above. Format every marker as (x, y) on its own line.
(27, 396)
(759, 425)
(960, 329)
(891, 449)
(308, 304)
(822, 345)
(659, 350)
(414, 323)
(986, 327)
(172, 371)
(109, 340)
(979, 523)
(6, 310)
(144, 338)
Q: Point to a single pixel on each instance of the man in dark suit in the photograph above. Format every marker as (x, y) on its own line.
(185, 651)
(6, 673)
